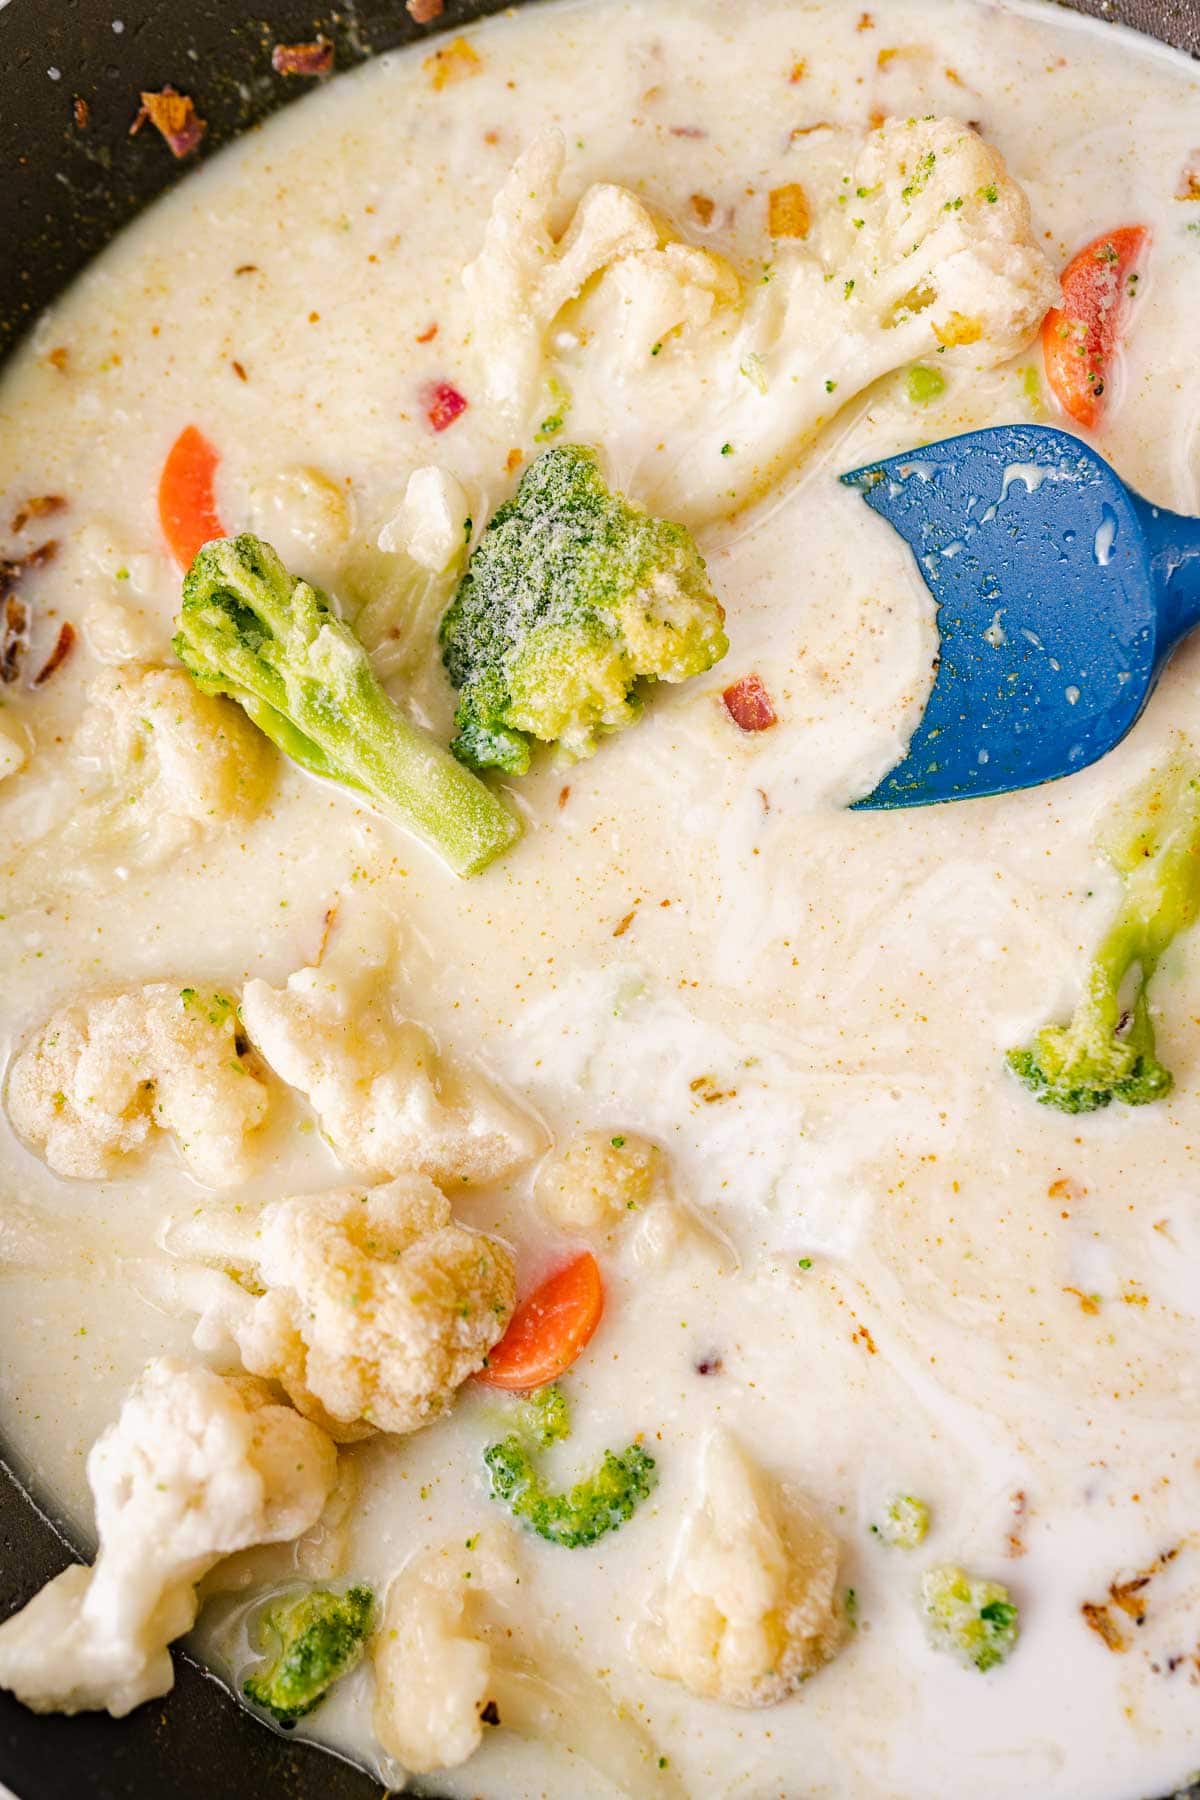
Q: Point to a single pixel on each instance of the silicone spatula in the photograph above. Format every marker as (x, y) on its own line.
(1060, 596)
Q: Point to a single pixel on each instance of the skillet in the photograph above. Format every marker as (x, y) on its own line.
(63, 194)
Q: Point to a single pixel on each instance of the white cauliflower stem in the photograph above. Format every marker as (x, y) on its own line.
(108, 1070)
(432, 1665)
(387, 1101)
(378, 1304)
(749, 1609)
(195, 1468)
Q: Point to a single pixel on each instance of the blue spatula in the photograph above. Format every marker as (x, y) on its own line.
(1060, 596)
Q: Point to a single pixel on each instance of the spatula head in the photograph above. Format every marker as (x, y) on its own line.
(1033, 549)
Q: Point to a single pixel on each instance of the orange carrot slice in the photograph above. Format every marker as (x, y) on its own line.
(1080, 338)
(549, 1329)
(187, 510)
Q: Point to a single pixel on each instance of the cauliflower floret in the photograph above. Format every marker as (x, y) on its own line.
(931, 251)
(523, 277)
(195, 1468)
(388, 1102)
(432, 1668)
(378, 1304)
(602, 1180)
(106, 1071)
(645, 300)
(597, 1178)
(432, 525)
(749, 1608)
(181, 762)
(305, 515)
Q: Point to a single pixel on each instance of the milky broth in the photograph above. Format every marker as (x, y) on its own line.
(847, 982)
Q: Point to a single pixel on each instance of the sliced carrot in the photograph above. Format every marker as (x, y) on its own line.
(549, 1329)
(187, 510)
(1080, 338)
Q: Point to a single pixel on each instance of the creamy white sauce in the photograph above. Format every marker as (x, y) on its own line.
(849, 982)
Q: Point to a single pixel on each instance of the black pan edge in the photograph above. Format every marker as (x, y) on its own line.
(64, 192)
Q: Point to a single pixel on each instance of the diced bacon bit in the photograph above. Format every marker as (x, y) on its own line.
(427, 336)
(799, 71)
(81, 112)
(59, 654)
(688, 131)
(513, 461)
(174, 116)
(424, 12)
(38, 506)
(442, 404)
(788, 214)
(1128, 1597)
(702, 208)
(455, 61)
(303, 59)
(1189, 178)
(749, 705)
(14, 634)
(14, 613)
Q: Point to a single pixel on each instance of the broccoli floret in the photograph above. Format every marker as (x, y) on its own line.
(1107, 1051)
(905, 1523)
(274, 644)
(599, 1503)
(976, 1621)
(320, 1636)
(547, 1415)
(572, 598)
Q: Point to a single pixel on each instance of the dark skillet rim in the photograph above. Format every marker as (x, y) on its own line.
(68, 191)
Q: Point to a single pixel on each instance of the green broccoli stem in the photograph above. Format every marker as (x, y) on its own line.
(248, 630)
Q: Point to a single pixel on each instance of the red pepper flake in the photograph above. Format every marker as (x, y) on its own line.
(303, 59)
(59, 654)
(865, 22)
(749, 705)
(702, 208)
(81, 111)
(863, 1336)
(688, 131)
(427, 336)
(38, 506)
(623, 925)
(443, 404)
(238, 369)
(424, 12)
(58, 358)
(174, 116)
(564, 794)
(799, 71)
(875, 118)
